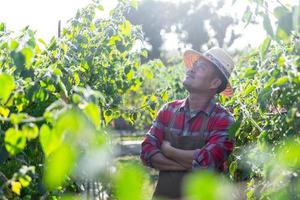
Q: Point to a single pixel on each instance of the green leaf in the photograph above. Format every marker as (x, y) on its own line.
(62, 87)
(18, 59)
(7, 86)
(25, 180)
(14, 45)
(262, 136)
(17, 118)
(263, 97)
(285, 22)
(212, 186)
(268, 26)
(126, 28)
(250, 72)
(289, 155)
(296, 80)
(282, 80)
(69, 122)
(112, 41)
(165, 96)
(269, 82)
(280, 11)
(57, 72)
(108, 116)
(281, 34)
(76, 78)
(76, 98)
(59, 165)
(42, 41)
(153, 98)
(264, 47)
(247, 16)
(49, 140)
(15, 141)
(4, 111)
(234, 128)
(249, 89)
(148, 74)
(134, 4)
(28, 55)
(40, 94)
(133, 117)
(30, 130)
(2, 27)
(232, 168)
(130, 182)
(281, 61)
(100, 7)
(144, 53)
(93, 112)
(130, 75)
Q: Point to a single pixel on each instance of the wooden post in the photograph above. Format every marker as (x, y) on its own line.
(59, 29)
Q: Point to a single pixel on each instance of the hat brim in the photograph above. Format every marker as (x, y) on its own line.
(190, 56)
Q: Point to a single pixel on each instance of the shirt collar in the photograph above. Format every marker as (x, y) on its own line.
(208, 110)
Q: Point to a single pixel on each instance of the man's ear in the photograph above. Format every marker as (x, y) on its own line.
(215, 83)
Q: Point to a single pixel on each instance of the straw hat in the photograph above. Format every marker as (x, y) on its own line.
(219, 57)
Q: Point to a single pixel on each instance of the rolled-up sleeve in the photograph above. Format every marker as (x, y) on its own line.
(153, 139)
(218, 146)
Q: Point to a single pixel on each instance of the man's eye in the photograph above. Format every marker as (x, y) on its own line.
(196, 65)
(199, 66)
(202, 65)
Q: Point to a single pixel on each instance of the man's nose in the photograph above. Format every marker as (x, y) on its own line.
(190, 70)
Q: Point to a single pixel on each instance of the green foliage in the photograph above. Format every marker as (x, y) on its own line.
(131, 182)
(15, 141)
(58, 166)
(8, 85)
(57, 98)
(160, 85)
(265, 105)
(207, 185)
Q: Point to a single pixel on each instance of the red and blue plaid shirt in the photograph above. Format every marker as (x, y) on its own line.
(218, 145)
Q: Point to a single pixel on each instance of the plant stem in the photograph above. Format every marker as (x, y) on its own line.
(28, 120)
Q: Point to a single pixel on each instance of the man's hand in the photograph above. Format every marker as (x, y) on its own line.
(161, 162)
(184, 157)
(166, 148)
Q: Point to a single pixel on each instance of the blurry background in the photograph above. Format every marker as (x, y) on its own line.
(75, 104)
(169, 25)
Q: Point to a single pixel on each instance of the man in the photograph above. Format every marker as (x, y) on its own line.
(192, 134)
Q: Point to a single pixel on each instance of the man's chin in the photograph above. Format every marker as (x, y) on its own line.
(188, 87)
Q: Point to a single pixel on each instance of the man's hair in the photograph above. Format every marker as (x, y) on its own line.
(219, 75)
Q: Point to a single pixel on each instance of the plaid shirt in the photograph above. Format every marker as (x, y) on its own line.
(217, 143)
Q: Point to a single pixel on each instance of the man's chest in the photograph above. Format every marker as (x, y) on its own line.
(188, 124)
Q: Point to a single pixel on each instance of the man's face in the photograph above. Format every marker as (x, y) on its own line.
(201, 77)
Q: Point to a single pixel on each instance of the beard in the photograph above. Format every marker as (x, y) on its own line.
(197, 89)
(190, 88)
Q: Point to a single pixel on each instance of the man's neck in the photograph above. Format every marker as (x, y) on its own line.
(198, 101)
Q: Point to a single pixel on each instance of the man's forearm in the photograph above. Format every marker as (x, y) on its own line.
(184, 157)
(161, 162)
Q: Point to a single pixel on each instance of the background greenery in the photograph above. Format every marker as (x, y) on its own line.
(59, 101)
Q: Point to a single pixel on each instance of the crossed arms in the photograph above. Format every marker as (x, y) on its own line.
(172, 158)
(160, 155)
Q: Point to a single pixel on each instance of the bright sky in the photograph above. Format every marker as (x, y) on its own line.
(43, 16)
(40, 15)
